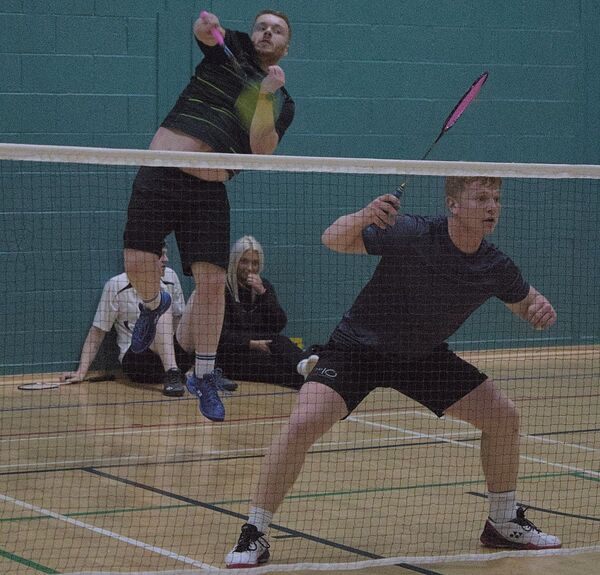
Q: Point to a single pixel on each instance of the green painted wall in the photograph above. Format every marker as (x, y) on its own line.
(371, 79)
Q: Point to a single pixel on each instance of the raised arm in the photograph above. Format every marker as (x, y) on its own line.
(203, 26)
(263, 136)
(345, 234)
(535, 309)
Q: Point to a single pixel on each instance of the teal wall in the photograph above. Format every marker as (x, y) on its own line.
(371, 79)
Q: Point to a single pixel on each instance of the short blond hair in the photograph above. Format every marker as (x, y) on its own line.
(456, 184)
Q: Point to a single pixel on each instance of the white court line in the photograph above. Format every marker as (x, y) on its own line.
(277, 420)
(142, 459)
(473, 446)
(475, 430)
(368, 563)
(106, 532)
(537, 438)
(556, 441)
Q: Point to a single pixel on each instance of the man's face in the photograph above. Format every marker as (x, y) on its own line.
(270, 36)
(478, 207)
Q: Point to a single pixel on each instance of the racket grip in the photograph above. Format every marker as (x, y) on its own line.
(216, 33)
(218, 36)
(399, 190)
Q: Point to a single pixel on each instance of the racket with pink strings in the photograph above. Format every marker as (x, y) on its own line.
(452, 118)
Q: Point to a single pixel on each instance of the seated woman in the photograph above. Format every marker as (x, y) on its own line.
(252, 347)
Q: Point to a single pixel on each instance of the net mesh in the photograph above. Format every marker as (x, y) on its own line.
(114, 476)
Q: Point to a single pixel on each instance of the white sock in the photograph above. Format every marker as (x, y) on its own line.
(260, 518)
(152, 303)
(502, 506)
(205, 363)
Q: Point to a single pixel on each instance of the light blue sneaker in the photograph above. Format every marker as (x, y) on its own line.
(206, 390)
(144, 330)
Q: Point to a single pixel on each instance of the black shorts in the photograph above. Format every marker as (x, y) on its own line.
(147, 367)
(436, 381)
(166, 200)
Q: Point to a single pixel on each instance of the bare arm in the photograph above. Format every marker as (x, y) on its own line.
(263, 136)
(345, 234)
(535, 309)
(92, 343)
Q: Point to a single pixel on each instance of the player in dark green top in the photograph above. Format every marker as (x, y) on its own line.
(223, 109)
(433, 274)
(219, 103)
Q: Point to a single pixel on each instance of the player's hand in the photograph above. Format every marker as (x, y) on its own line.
(71, 376)
(254, 282)
(203, 27)
(540, 313)
(208, 21)
(274, 80)
(261, 345)
(382, 211)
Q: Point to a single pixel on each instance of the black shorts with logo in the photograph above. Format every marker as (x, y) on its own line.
(166, 200)
(436, 381)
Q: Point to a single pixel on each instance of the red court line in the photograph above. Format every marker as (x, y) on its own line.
(139, 426)
(201, 422)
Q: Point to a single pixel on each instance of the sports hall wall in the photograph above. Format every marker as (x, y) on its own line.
(370, 79)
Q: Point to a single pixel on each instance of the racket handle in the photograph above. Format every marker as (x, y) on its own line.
(218, 36)
(216, 33)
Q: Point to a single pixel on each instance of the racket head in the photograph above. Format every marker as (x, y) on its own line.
(38, 385)
(464, 102)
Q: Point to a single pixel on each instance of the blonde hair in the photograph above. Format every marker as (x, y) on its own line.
(456, 184)
(238, 249)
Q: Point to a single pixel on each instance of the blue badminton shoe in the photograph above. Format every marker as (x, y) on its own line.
(206, 390)
(145, 326)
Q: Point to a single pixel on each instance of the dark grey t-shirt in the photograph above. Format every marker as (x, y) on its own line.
(424, 287)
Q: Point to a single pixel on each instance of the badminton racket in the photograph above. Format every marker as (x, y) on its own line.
(452, 118)
(54, 384)
(216, 33)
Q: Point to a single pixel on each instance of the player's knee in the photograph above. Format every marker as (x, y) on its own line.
(138, 262)
(209, 277)
(302, 433)
(306, 426)
(505, 417)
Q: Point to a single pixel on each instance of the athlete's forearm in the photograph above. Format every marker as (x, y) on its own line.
(263, 136)
(92, 343)
(345, 234)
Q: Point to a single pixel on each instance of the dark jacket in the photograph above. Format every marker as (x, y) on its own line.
(247, 320)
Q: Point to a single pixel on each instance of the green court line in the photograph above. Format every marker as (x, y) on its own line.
(290, 497)
(408, 487)
(585, 476)
(28, 563)
(43, 569)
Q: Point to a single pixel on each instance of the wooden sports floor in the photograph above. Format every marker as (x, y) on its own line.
(114, 477)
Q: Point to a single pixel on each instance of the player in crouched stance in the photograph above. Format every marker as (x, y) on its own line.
(433, 274)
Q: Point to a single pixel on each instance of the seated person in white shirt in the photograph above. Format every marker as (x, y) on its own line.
(165, 361)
